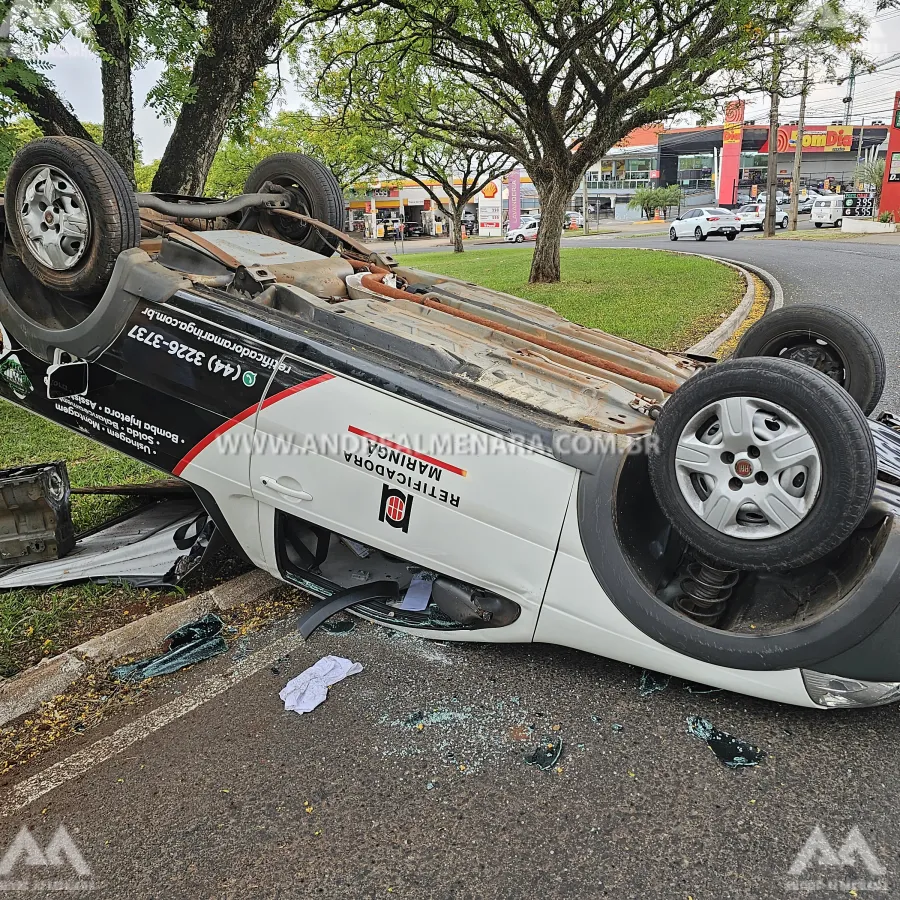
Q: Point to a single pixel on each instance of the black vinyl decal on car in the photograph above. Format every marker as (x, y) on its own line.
(125, 414)
(243, 415)
(192, 360)
(396, 508)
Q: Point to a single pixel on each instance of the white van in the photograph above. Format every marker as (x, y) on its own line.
(827, 211)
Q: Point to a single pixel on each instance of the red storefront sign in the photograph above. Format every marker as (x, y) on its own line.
(816, 139)
(890, 191)
(732, 135)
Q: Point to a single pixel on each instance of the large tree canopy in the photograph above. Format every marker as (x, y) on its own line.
(215, 56)
(551, 83)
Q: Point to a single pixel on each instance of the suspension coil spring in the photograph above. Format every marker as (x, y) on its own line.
(705, 592)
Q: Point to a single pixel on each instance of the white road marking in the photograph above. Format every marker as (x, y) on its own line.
(90, 757)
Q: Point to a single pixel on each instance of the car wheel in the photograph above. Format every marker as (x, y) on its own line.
(673, 236)
(312, 190)
(698, 234)
(520, 238)
(730, 237)
(70, 212)
(817, 224)
(831, 340)
(838, 223)
(751, 470)
(783, 223)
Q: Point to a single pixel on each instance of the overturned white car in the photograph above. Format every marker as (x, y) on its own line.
(462, 463)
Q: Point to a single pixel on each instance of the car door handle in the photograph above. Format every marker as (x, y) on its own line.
(273, 485)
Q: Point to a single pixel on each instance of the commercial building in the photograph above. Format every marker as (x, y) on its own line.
(692, 159)
(717, 164)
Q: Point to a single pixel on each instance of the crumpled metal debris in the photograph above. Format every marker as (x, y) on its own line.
(547, 753)
(189, 644)
(730, 750)
(653, 682)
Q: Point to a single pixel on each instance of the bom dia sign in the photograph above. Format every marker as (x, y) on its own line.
(816, 139)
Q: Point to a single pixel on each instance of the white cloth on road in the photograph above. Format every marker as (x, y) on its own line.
(310, 688)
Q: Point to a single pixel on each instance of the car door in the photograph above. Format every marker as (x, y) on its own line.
(695, 221)
(364, 463)
(682, 225)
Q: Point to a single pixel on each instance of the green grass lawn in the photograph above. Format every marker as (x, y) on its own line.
(661, 299)
(35, 624)
(26, 438)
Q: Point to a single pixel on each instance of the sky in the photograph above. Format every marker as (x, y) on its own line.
(76, 73)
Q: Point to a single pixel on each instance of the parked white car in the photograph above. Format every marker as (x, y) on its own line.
(575, 217)
(781, 198)
(828, 211)
(701, 223)
(753, 215)
(526, 232)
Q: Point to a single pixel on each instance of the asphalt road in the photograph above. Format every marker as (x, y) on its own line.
(237, 797)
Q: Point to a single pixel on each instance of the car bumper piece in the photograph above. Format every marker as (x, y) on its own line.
(835, 691)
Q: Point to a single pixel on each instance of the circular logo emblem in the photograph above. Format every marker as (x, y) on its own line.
(396, 509)
(249, 378)
(743, 468)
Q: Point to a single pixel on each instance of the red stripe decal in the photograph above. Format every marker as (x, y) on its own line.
(407, 450)
(241, 416)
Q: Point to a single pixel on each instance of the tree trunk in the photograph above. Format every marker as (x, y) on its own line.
(240, 34)
(798, 151)
(772, 159)
(545, 267)
(47, 109)
(114, 39)
(457, 226)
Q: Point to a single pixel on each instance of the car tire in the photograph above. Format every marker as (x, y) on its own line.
(313, 191)
(86, 194)
(838, 223)
(673, 235)
(730, 237)
(840, 477)
(520, 239)
(698, 234)
(835, 342)
(783, 223)
(817, 224)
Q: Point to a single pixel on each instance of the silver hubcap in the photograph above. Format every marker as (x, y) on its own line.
(748, 468)
(53, 217)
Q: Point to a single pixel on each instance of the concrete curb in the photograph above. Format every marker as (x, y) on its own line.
(707, 346)
(27, 690)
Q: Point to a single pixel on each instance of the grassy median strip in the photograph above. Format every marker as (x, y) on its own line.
(41, 623)
(662, 299)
